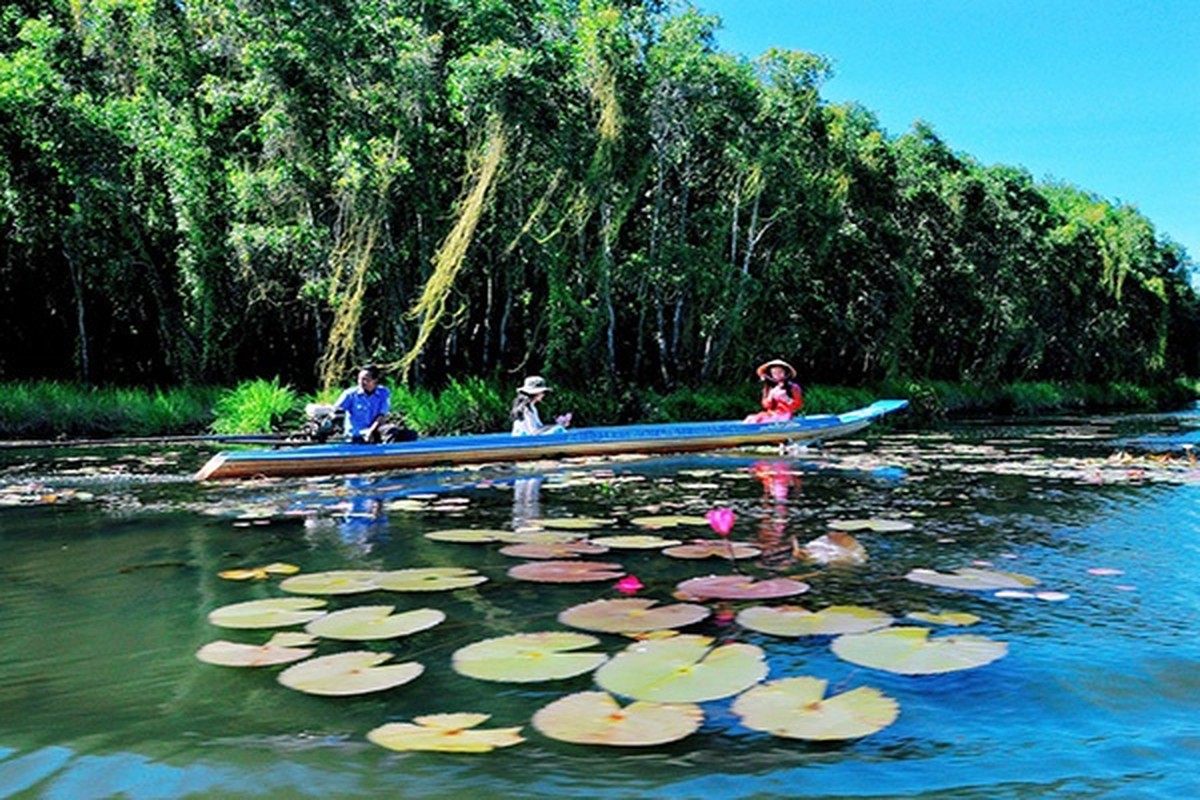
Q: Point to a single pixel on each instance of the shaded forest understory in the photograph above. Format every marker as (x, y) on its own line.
(200, 193)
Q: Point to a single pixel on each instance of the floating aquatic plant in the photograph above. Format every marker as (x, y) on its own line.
(539, 550)
(429, 579)
(627, 615)
(633, 541)
(797, 621)
(528, 657)
(470, 535)
(282, 648)
(682, 669)
(876, 525)
(339, 581)
(667, 521)
(573, 523)
(258, 573)
(445, 733)
(566, 571)
(366, 623)
(797, 708)
(951, 618)
(272, 612)
(355, 672)
(707, 548)
(738, 587)
(910, 651)
(972, 579)
(597, 718)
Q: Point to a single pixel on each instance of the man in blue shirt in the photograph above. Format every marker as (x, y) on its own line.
(367, 406)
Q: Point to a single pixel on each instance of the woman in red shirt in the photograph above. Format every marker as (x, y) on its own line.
(781, 395)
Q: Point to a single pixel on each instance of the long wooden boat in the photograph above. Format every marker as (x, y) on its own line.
(329, 459)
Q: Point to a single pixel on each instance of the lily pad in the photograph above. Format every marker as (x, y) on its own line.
(669, 521)
(355, 672)
(429, 579)
(797, 621)
(445, 733)
(972, 579)
(548, 550)
(366, 623)
(635, 541)
(597, 718)
(682, 669)
(739, 587)
(910, 651)
(630, 615)
(573, 523)
(279, 650)
(272, 612)
(339, 581)
(258, 573)
(877, 525)
(709, 548)
(528, 657)
(951, 618)
(566, 571)
(796, 708)
(470, 535)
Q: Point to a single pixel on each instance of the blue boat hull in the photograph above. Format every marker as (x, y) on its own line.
(332, 459)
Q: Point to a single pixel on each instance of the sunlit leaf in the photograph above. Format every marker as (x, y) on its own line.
(445, 733)
(627, 615)
(634, 541)
(365, 623)
(528, 657)
(567, 571)
(573, 523)
(259, 573)
(272, 612)
(739, 587)
(341, 581)
(553, 549)
(952, 618)
(972, 579)
(669, 521)
(910, 651)
(877, 525)
(797, 708)
(682, 669)
(710, 548)
(836, 547)
(470, 535)
(597, 718)
(279, 650)
(796, 621)
(355, 672)
(429, 579)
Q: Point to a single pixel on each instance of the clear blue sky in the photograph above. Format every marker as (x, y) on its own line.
(1101, 94)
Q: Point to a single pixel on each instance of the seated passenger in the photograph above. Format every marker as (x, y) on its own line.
(781, 395)
(525, 419)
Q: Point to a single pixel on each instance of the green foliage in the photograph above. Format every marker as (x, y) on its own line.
(50, 409)
(257, 406)
(469, 406)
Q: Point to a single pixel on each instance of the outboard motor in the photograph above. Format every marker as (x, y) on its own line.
(323, 421)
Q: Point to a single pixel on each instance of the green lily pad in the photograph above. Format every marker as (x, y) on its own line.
(635, 542)
(339, 581)
(910, 651)
(972, 579)
(566, 571)
(739, 587)
(355, 672)
(258, 573)
(278, 650)
(470, 535)
(797, 621)
(711, 548)
(366, 623)
(573, 523)
(528, 657)
(597, 718)
(682, 669)
(877, 525)
(669, 521)
(952, 618)
(549, 550)
(796, 708)
(632, 614)
(445, 733)
(273, 612)
(429, 579)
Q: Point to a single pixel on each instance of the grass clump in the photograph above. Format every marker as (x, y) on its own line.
(257, 406)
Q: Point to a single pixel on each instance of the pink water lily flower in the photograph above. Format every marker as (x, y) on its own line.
(629, 585)
(721, 520)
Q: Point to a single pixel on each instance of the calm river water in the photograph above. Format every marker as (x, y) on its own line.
(109, 566)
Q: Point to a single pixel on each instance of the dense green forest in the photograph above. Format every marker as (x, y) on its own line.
(201, 192)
